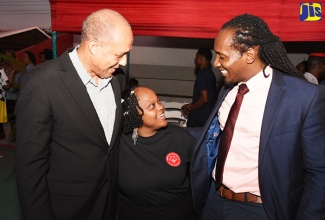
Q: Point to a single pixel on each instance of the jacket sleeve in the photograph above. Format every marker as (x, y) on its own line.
(312, 204)
(34, 127)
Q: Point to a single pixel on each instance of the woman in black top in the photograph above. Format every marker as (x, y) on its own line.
(154, 162)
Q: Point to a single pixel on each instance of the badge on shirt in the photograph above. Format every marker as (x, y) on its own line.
(173, 159)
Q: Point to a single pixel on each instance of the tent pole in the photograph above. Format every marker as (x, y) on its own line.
(54, 44)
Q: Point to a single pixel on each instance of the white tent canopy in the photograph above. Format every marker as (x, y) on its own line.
(19, 14)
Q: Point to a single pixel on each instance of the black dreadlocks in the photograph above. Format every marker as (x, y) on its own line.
(132, 117)
(252, 31)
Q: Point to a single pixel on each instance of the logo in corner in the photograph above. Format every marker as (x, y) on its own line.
(173, 159)
(310, 11)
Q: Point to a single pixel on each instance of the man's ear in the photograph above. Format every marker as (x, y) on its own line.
(251, 55)
(93, 46)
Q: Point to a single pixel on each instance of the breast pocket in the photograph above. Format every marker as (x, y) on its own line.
(284, 130)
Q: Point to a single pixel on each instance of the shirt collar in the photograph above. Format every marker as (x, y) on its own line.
(259, 79)
(82, 72)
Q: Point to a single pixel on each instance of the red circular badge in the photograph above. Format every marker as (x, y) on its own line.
(173, 159)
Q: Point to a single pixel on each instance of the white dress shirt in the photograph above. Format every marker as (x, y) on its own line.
(101, 95)
(311, 78)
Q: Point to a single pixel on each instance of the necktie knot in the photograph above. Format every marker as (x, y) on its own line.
(243, 89)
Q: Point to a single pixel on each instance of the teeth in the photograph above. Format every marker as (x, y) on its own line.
(224, 72)
(162, 115)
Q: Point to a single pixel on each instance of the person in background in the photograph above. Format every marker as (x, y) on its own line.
(133, 82)
(10, 54)
(12, 92)
(12, 88)
(204, 92)
(29, 60)
(41, 57)
(3, 82)
(69, 120)
(302, 67)
(45, 55)
(154, 160)
(315, 72)
(48, 54)
(270, 162)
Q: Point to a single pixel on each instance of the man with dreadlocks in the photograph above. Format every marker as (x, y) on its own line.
(270, 163)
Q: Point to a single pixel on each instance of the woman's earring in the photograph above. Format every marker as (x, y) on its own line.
(135, 135)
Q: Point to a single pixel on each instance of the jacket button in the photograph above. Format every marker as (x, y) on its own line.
(105, 180)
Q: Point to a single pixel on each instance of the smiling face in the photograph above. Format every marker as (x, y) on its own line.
(105, 41)
(229, 60)
(109, 56)
(153, 112)
(235, 66)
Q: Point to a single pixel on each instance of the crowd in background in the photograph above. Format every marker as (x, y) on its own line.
(12, 70)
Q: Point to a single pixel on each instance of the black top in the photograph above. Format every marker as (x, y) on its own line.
(154, 172)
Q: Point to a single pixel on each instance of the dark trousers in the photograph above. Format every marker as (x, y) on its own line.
(218, 208)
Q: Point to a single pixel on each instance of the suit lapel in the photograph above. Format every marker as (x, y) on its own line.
(118, 112)
(199, 166)
(201, 143)
(78, 91)
(272, 107)
(213, 114)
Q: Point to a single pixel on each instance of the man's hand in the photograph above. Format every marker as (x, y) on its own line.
(186, 109)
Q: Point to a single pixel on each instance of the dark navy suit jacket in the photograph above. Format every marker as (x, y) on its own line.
(291, 164)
